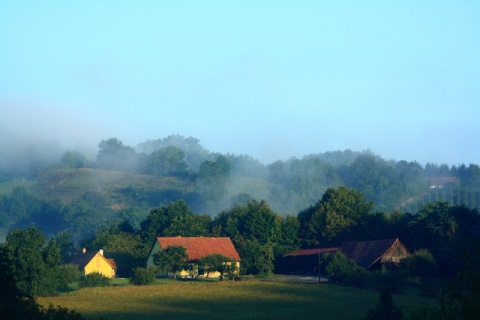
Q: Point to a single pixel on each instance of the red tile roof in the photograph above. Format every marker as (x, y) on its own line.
(112, 263)
(308, 252)
(200, 247)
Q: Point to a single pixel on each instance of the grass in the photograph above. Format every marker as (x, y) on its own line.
(253, 299)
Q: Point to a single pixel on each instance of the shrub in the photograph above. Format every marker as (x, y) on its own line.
(385, 308)
(345, 272)
(420, 264)
(94, 279)
(67, 274)
(142, 276)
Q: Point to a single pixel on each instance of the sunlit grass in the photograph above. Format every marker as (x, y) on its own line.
(251, 299)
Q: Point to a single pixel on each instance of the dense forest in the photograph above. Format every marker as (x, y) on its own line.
(65, 190)
(126, 196)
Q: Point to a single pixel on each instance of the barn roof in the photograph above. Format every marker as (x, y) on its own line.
(308, 252)
(366, 253)
(200, 247)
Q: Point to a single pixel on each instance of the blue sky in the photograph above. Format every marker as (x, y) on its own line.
(271, 79)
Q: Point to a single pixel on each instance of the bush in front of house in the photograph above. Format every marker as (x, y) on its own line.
(142, 276)
(94, 279)
(345, 272)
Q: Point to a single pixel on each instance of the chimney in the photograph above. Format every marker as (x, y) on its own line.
(84, 250)
(101, 252)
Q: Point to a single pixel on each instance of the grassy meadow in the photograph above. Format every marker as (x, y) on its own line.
(253, 299)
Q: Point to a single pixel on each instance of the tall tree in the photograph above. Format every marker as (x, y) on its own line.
(114, 155)
(335, 218)
(173, 259)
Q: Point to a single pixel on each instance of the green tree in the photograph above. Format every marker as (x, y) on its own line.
(173, 259)
(29, 269)
(142, 276)
(385, 308)
(174, 220)
(335, 218)
(215, 262)
(212, 181)
(114, 155)
(255, 231)
(168, 161)
(15, 304)
(343, 271)
(420, 264)
(36, 266)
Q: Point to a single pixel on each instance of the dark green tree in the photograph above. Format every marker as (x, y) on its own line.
(255, 231)
(420, 264)
(215, 262)
(168, 161)
(173, 259)
(174, 220)
(142, 276)
(335, 218)
(385, 308)
(36, 266)
(14, 304)
(343, 271)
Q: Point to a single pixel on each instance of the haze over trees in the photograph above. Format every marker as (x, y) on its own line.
(80, 194)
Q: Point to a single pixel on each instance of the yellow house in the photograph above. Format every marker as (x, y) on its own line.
(197, 248)
(90, 262)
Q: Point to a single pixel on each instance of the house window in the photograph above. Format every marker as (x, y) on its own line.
(98, 263)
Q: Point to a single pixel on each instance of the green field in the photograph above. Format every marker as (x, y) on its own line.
(253, 299)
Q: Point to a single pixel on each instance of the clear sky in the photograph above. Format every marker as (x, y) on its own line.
(271, 79)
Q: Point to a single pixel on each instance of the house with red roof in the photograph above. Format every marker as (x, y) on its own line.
(90, 262)
(196, 248)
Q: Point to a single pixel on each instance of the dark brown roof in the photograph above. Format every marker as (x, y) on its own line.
(308, 252)
(366, 253)
(82, 259)
(200, 247)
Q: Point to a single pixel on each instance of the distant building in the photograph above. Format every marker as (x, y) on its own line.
(371, 255)
(196, 248)
(90, 262)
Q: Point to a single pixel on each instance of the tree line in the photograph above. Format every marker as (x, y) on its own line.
(446, 236)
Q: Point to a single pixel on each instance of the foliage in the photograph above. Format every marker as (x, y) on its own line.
(123, 245)
(94, 279)
(14, 304)
(334, 218)
(219, 263)
(420, 264)
(142, 276)
(342, 271)
(114, 155)
(254, 229)
(385, 308)
(35, 266)
(174, 220)
(173, 259)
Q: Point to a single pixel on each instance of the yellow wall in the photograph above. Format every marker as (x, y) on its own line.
(99, 264)
(184, 273)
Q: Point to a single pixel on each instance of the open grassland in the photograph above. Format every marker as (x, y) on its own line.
(251, 299)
